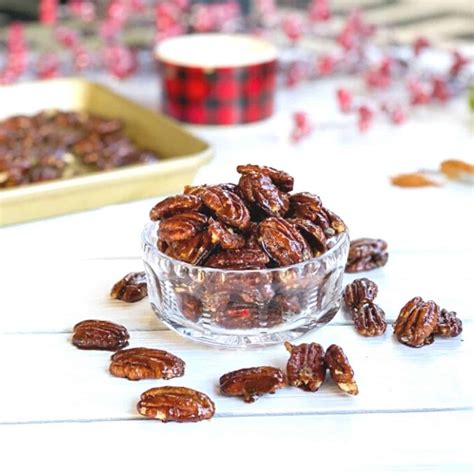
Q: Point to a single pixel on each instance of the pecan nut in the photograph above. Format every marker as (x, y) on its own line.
(369, 319)
(175, 205)
(225, 236)
(180, 404)
(253, 382)
(282, 242)
(239, 259)
(416, 322)
(190, 306)
(449, 325)
(194, 250)
(141, 363)
(360, 291)
(306, 367)
(227, 206)
(131, 288)
(99, 335)
(182, 226)
(340, 369)
(305, 205)
(259, 190)
(280, 179)
(312, 233)
(366, 254)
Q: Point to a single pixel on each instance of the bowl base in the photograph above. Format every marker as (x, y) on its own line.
(234, 339)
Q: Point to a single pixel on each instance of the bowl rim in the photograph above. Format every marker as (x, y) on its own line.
(147, 240)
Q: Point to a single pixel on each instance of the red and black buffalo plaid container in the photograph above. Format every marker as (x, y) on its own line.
(217, 79)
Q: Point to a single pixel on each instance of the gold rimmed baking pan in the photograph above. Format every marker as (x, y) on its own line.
(182, 153)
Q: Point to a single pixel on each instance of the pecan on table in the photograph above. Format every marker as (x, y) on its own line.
(180, 404)
(175, 205)
(140, 363)
(449, 325)
(280, 179)
(369, 319)
(340, 369)
(306, 367)
(366, 254)
(225, 236)
(282, 242)
(251, 383)
(194, 250)
(99, 335)
(312, 233)
(131, 288)
(416, 322)
(239, 259)
(360, 291)
(260, 191)
(227, 206)
(182, 226)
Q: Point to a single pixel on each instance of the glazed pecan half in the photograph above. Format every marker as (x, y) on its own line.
(312, 233)
(141, 363)
(194, 250)
(449, 325)
(366, 254)
(182, 226)
(360, 291)
(280, 179)
(251, 383)
(259, 190)
(227, 206)
(190, 306)
(239, 259)
(225, 236)
(131, 288)
(282, 241)
(369, 319)
(179, 404)
(416, 322)
(341, 370)
(175, 205)
(99, 335)
(306, 367)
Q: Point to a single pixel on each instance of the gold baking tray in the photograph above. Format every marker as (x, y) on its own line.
(182, 152)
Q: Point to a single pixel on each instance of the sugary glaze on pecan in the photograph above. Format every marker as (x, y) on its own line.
(366, 254)
(131, 288)
(225, 236)
(282, 180)
(340, 369)
(449, 325)
(99, 335)
(369, 319)
(174, 205)
(360, 291)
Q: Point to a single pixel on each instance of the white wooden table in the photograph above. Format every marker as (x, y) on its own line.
(60, 410)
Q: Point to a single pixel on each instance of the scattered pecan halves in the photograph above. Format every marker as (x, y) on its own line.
(141, 363)
(360, 291)
(449, 325)
(99, 335)
(369, 319)
(131, 288)
(341, 370)
(366, 254)
(306, 367)
(180, 404)
(416, 322)
(251, 383)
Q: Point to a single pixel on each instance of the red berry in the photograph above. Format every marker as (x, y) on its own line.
(319, 10)
(419, 93)
(439, 89)
(459, 61)
(420, 44)
(344, 99)
(365, 118)
(293, 27)
(325, 65)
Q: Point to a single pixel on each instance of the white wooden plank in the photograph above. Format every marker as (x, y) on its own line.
(63, 293)
(382, 443)
(54, 381)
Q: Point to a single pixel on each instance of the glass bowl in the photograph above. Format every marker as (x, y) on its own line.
(244, 308)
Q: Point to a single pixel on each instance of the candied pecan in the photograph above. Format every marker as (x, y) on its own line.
(195, 190)
(282, 241)
(412, 180)
(369, 319)
(305, 205)
(449, 325)
(194, 250)
(225, 236)
(252, 237)
(457, 169)
(227, 206)
(182, 226)
(336, 223)
(162, 245)
(142, 363)
(175, 205)
(259, 190)
(179, 404)
(131, 288)
(340, 369)
(366, 254)
(280, 179)
(287, 303)
(239, 259)
(416, 322)
(360, 291)
(99, 335)
(306, 367)
(252, 383)
(312, 233)
(190, 306)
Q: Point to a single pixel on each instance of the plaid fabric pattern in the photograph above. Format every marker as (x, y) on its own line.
(218, 96)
